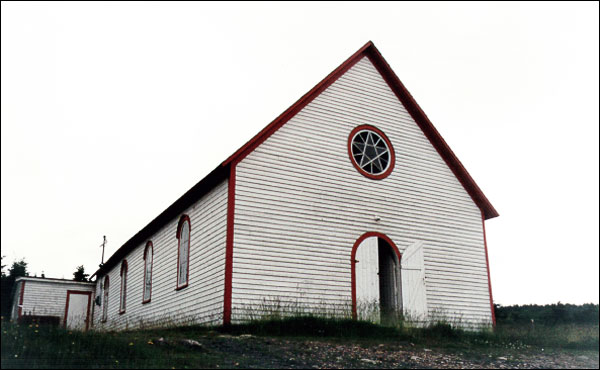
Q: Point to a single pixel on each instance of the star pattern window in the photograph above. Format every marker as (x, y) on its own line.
(371, 152)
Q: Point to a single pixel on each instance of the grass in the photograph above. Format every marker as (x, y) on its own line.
(38, 346)
(34, 346)
(569, 336)
(563, 336)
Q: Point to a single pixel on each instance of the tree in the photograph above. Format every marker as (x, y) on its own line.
(3, 266)
(80, 275)
(18, 268)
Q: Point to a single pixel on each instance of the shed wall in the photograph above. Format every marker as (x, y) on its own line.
(46, 298)
(201, 302)
(301, 205)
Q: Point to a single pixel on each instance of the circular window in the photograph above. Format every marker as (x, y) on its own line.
(371, 152)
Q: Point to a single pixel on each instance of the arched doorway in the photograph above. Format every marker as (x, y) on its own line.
(376, 280)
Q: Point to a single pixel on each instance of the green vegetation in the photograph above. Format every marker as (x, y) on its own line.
(42, 346)
(573, 336)
(550, 314)
(17, 269)
(80, 275)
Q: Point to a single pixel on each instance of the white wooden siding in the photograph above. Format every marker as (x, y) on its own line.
(201, 302)
(47, 297)
(414, 289)
(301, 205)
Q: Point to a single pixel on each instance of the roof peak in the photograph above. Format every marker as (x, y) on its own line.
(369, 50)
(222, 171)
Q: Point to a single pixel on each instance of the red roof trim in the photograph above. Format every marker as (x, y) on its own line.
(221, 172)
(369, 50)
(296, 107)
(174, 210)
(431, 133)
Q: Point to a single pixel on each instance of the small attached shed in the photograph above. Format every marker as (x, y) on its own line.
(67, 302)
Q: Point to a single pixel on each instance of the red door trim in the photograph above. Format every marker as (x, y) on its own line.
(87, 319)
(353, 261)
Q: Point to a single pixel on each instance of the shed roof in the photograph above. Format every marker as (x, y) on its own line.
(222, 171)
(52, 280)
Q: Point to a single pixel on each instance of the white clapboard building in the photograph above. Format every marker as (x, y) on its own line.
(67, 301)
(349, 203)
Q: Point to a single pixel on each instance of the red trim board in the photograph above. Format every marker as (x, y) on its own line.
(123, 289)
(222, 171)
(20, 311)
(87, 319)
(227, 168)
(353, 261)
(369, 50)
(182, 220)
(487, 265)
(229, 246)
(105, 292)
(149, 247)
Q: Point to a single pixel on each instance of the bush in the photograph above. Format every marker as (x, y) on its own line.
(551, 314)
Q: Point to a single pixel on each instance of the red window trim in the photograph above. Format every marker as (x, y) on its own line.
(150, 247)
(182, 220)
(387, 142)
(353, 262)
(87, 318)
(123, 289)
(104, 317)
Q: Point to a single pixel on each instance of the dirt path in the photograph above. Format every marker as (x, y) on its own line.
(260, 352)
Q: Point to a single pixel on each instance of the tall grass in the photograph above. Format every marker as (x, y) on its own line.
(43, 346)
(37, 346)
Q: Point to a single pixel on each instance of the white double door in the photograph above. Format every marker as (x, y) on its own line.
(382, 282)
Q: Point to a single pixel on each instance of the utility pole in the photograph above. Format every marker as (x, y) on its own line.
(103, 245)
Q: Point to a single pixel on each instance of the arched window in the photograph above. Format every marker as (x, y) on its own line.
(183, 252)
(123, 287)
(148, 261)
(105, 300)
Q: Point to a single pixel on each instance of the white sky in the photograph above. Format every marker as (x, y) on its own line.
(111, 111)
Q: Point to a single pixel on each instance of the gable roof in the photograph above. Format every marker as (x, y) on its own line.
(370, 51)
(222, 171)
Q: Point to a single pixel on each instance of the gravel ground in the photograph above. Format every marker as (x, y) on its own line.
(247, 351)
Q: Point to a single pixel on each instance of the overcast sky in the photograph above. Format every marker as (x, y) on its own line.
(111, 111)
